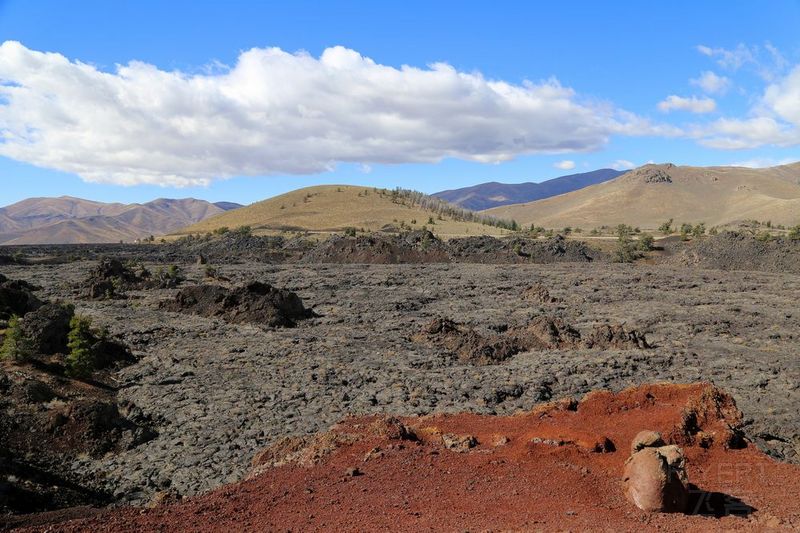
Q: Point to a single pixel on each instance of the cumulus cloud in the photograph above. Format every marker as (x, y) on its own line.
(774, 120)
(691, 104)
(623, 164)
(711, 82)
(275, 112)
(565, 165)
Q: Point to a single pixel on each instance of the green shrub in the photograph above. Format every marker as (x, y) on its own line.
(16, 345)
(80, 360)
(625, 251)
(646, 242)
(699, 229)
(222, 230)
(764, 236)
(244, 230)
(351, 232)
(794, 233)
(666, 227)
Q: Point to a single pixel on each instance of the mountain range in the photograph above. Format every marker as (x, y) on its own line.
(653, 194)
(72, 220)
(494, 194)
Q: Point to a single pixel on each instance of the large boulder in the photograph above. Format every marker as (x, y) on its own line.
(16, 298)
(47, 327)
(255, 302)
(655, 477)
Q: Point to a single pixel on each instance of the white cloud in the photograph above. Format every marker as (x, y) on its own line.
(275, 112)
(766, 61)
(623, 164)
(691, 104)
(774, 120)
(763, 162)
(731, 59)
(712, 83)
(565, 165)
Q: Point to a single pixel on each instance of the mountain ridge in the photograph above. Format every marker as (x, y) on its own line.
(70, 220)
(495, 194)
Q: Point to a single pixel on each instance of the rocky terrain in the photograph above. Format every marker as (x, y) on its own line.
(483, 472)
(230, 358)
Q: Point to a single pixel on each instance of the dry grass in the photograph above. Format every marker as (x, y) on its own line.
(331, 209)
(718, 196)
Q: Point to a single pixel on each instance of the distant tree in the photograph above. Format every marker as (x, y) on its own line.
(625, 251)
(80, 360)
(666, 227)
(16, 345)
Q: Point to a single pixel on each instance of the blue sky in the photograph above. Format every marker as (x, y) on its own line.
(604, 62)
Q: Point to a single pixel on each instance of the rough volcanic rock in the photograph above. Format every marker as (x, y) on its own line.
(47, 327)
(469, 345)
(111, 278)
(16, 298)
(538, 293)
(732, 250)
(615, 337)
(540, 333)
(486, 249)
(256, 302)
(411, 247)
(547, 333)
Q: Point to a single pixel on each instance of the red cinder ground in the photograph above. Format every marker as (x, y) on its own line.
(505, 482)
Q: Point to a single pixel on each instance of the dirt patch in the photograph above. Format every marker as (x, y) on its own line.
(373, 482)
(732, 250)
(539, 334)
(256, 302)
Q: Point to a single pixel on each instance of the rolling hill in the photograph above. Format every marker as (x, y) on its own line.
(332, 208)
(75, 220)
(494, 194)
(652, 194)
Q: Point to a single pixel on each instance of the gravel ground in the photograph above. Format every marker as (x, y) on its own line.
(223, 391)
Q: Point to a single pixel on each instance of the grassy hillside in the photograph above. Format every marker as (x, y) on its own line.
(652, 194)
(333, 208)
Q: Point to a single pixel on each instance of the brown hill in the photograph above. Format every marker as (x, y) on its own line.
(332, 208)
(75, 220)
(652, 194)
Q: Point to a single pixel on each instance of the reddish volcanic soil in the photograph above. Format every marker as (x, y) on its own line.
(552, 468)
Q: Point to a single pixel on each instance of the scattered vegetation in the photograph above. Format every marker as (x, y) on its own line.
(16, 345)
(80, 360)
(645, 242)
(666, 227)
(625, 251)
